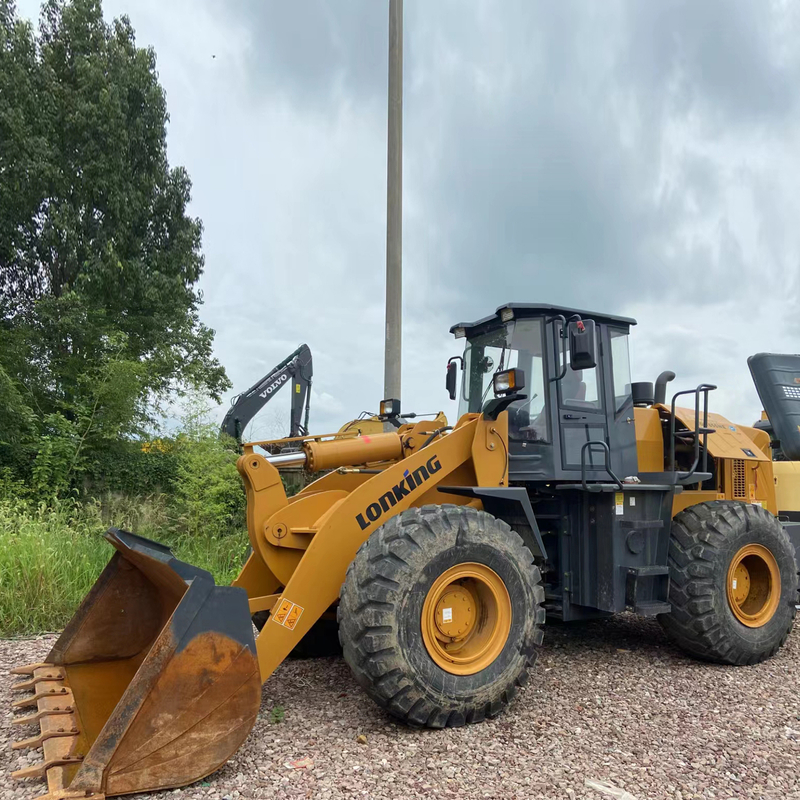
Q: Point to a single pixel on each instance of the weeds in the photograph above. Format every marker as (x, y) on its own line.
(51, 555)
(277, 715)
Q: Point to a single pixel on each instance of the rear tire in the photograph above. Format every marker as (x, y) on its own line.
(708, 618)
(387, 595)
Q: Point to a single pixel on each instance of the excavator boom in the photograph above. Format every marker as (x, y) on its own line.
(297, 369)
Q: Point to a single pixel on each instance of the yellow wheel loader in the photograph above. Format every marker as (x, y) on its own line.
(563, 490)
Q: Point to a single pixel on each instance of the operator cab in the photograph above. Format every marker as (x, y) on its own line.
(575, 415)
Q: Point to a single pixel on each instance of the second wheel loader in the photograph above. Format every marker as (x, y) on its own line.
(564, 491)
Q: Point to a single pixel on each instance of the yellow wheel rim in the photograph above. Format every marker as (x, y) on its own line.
(466, 618)
(754, 585)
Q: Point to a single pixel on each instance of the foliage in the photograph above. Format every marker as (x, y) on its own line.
(208, 486)
(183, 491)
(99, 258)
(132, 468)
(51, 556)
(17, 426)
(277, 715)
(99, 325)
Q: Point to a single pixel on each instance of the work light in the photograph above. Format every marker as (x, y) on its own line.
(390, 408)
(510, 380)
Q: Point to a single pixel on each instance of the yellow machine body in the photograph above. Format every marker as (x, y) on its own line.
(303, 545)
(787, 488)
(156, 680)
(743, 468)
(374, 424)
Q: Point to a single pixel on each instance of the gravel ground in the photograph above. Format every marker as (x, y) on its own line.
(608, 701)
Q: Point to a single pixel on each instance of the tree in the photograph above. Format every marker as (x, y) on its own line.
(99, 258)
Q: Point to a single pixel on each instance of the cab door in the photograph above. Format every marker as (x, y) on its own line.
(582, 418)
(619, 402)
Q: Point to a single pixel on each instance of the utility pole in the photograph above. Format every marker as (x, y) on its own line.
(394, 207)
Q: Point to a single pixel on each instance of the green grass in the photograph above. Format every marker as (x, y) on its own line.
(51, 556)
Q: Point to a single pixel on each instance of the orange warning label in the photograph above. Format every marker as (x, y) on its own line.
(293, 617)
(283, 609)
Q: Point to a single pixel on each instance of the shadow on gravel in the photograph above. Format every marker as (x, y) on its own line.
(621, 631)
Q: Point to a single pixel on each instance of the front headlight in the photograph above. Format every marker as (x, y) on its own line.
(510, 380)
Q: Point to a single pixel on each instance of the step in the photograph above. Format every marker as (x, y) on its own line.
(650, 608)
(647, 572)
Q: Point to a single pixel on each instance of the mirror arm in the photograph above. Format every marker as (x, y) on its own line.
(563, 335)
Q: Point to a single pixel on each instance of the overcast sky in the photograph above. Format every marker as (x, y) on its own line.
(637, 158)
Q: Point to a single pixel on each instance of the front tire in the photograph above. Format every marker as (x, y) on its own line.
(733, 583)
(441, 614)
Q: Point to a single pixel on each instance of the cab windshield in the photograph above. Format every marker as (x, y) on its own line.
(519, 343)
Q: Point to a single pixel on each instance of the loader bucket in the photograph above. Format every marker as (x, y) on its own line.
(153, 684)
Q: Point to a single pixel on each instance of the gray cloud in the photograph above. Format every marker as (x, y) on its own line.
(314, 51)
(630, 157)
(552, 173)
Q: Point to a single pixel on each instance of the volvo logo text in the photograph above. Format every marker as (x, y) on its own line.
(273, 386)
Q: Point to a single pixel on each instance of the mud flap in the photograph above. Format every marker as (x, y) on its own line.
(153, 684)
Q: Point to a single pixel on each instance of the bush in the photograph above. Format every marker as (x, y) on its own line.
(183, 491)
(209, 493)
(133, 468)
(50, 556)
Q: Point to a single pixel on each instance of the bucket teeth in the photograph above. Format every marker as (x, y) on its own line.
(38, 741)
(39, 770)
(58, 728)
(40, 715)
(32, 700)
(28, 669)
(49, 675)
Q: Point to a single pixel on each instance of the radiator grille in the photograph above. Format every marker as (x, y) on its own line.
(739, 479)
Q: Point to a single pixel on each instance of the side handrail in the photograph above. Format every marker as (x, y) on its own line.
(704, 389)
(607, 464)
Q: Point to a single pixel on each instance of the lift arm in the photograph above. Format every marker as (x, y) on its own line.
(296, 368)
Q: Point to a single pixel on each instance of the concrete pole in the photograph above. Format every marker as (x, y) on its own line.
(394, 206)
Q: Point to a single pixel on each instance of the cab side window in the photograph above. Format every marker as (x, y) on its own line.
(581, 388)
(621, 367)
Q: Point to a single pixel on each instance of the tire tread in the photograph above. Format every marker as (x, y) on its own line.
(695, 624)
(360, 601)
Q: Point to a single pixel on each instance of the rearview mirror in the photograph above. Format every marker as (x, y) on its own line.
(452, 376)
(582, 344)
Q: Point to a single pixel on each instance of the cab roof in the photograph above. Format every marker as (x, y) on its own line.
(522, 310)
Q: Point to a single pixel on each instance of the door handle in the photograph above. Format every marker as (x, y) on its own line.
(572, 416)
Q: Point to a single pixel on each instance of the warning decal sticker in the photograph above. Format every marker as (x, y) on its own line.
(288, 614)
(293, 617)
(619, 501)
(283, 610)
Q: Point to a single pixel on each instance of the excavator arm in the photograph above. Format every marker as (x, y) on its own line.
(297, 369)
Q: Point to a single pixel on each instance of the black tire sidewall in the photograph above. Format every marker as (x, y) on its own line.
(766, 532)
(432, 679)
